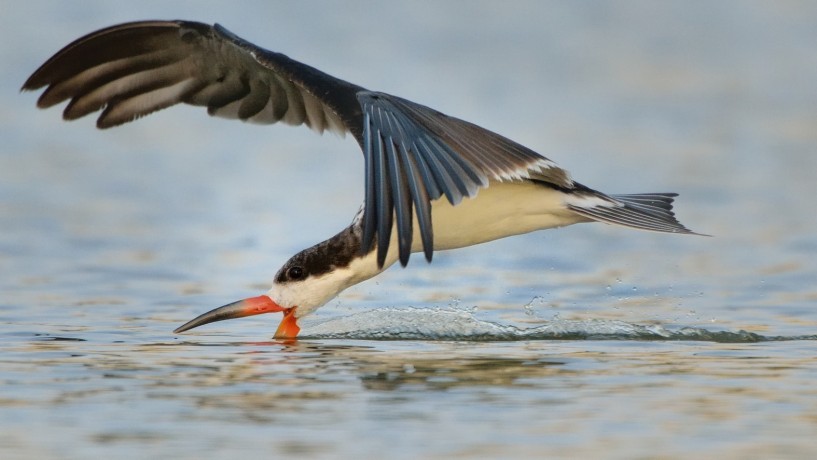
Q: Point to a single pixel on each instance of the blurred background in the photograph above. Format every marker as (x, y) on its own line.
(119, 236)
(715, 101)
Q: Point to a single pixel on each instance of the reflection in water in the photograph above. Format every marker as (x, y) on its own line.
(286, 393)
(443, 374)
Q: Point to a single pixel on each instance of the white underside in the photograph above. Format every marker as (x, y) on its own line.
(500, 210)
(503, 209)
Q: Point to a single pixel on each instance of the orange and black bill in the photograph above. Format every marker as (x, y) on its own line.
(288, 329)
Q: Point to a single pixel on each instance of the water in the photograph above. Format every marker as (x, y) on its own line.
(589, 341)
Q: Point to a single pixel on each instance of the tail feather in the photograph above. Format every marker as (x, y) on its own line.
(644, 211)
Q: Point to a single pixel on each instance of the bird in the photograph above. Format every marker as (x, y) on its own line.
(431, 181)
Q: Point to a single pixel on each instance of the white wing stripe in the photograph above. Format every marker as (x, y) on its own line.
(143, 104)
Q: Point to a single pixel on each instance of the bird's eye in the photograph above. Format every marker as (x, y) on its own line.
(295, 273)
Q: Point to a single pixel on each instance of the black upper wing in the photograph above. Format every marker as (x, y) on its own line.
(413, 154)
(133, 69)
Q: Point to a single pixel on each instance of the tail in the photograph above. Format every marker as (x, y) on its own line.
(644, 211)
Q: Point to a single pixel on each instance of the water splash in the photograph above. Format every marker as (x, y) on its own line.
(461, 325)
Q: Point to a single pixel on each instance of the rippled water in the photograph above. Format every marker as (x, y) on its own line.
(589, 341)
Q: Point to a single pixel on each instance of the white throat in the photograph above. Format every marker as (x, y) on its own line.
(315, 291)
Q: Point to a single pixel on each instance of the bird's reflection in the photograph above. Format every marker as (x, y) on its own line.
(433, 366)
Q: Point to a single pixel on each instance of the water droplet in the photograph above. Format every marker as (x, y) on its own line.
(530, 307)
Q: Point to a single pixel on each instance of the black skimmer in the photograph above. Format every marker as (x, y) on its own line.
(432, 181)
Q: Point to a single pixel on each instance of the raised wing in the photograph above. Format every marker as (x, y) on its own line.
(133, 69)
(413, 154)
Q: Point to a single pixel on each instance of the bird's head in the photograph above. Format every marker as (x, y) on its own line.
(305, 283)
